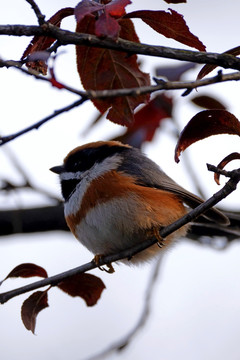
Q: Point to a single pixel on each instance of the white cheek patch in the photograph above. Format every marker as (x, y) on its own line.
(86, 177)
(79, 175)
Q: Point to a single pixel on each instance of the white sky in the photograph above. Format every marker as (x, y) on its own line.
(195, 310)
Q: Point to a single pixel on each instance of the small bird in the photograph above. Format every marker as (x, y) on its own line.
(115, 197)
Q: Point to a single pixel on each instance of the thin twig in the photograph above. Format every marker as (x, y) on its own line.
(6, 139)
(18, 65)
(217, 170)
(228, 188)
(67, 37)
(103, 94)
(40, 16)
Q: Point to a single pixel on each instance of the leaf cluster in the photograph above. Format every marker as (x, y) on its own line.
(87, 286)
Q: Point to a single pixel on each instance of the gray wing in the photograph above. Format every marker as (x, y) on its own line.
(148, 173)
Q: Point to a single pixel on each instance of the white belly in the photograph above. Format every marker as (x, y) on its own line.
(108, 228)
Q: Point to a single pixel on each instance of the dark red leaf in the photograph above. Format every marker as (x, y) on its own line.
(204, 124)
(147, 120)
(207, 102)
(102, 69)
(86, 286)
(116, 8)
(208, 68)
(175, 1)
(170, 24)
(113, 9)
(31, 308)
(27, 270)
(224, 162)
(174, 73)
(41, 43)
(106, 25)
(86, 7)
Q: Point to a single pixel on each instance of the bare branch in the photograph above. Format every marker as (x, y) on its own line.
(40, 16)
(161, 84)
(66, 37)
(33, 220)
(6, 139)
(229, 187)
(103, 94)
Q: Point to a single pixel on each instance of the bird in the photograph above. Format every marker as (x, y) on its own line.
(115, 197)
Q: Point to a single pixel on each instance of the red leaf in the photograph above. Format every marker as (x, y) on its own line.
(170, 24)
(113, 9)
(116, 8)
(224, 162)
(27, 270)
(107, 26)
(204, 124)
(147, 120)
(208, 102)
(102, 69)
(208, 68)
(31, 308)
(86, 7)
(86, 286)
(40, 43)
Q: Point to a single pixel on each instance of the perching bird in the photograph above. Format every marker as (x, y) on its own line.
(115, 198)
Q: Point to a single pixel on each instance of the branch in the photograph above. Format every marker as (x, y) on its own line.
(6, 139)
(103, 94)
(122, 343)
(137, 91)
(40, 16)
(208, 233)
(39, 219)
(66, 37)
(228, 188)
(18, 65)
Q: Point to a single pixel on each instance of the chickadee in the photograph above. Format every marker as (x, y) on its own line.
(114, 197)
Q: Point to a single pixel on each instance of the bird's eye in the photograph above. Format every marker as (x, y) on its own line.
(76, 165)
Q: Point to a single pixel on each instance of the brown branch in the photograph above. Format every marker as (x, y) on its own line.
(229, 187)
(103, 94)
(32, 220)
(40, 16)
(18, 65)
(161, 84)
(66, 37)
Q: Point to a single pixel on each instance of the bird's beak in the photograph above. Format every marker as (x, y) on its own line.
(57, 169)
